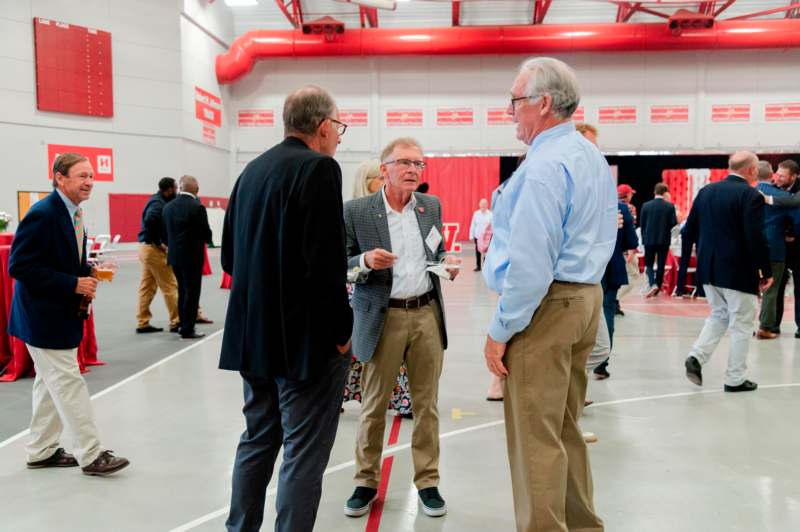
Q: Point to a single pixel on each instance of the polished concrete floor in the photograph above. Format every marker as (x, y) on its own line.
(671, 457)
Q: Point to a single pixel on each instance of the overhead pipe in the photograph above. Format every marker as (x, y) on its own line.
(538, 39)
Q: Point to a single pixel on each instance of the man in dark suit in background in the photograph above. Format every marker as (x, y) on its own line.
(48, 260)
(657, 219)
(289, 321)
(187, 232)
(726, 222)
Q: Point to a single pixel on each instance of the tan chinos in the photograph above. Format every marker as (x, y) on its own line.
(156, 274)
(543, 399)
(412, 335)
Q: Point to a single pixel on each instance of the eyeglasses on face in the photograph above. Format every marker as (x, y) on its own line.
(341, 127)
(419, 165)
(520, 98)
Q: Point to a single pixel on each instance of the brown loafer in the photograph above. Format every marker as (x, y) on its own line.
(60, 458)
(763, 334)
(204, 320)
(106, 464)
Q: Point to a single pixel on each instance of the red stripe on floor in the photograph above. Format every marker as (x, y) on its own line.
(376, 512)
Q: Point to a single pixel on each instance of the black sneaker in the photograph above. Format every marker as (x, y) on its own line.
(432, 503)
(359, 503)
(746, 386)
(601, 371)
(694, 371)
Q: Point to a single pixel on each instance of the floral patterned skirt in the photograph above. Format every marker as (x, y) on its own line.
(401, 398)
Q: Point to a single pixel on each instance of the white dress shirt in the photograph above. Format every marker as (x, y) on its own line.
(480, 220)
(409, 278)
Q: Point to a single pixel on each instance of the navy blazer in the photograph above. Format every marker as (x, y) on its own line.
(657, 218)
(726, 222)
(45, 262)
(616, 274)
(187, 232)
(777, 220)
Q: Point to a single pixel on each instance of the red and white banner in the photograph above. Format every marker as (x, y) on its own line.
(782, 112)
(450, 233)
(730, 113)
(102, 159)
(207, 107)
(256, 118)
(209, 135)
(354, 117)
(579, 114)
(455, 116)
(625, 114)
(498, 116)
(661, 114)
(404, 118)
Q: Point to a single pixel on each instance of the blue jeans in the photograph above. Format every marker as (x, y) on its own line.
(303, 417)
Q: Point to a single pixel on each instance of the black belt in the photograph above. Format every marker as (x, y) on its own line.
(412, 302)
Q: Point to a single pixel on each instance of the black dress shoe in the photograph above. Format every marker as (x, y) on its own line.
(192, 335)
(148, 329)
(694, 371)
(106, 464)
(618, 312)
(60, 458)
(204, 320)
(175, 329)
(746, 386)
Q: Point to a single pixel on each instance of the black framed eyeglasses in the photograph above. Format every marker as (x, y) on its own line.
(520, 98)
(419, 165)
(341, 127)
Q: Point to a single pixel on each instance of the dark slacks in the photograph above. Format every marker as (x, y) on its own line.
(609, 306)
(477, 255)
(655, 254)
(303, 417)
(791, 263)
(190, 282)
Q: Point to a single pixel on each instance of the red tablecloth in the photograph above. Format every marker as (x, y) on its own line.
(6, 238)
(227, 281)
(15, 361)
(206, 263)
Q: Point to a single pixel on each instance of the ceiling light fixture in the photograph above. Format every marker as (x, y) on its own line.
(241, 3)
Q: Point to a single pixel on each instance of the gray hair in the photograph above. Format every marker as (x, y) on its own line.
(764, 171)
(305, 109)
(551, 76)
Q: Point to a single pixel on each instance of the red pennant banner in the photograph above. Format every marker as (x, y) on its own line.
(660, 114)
(617, 115)
(579, 114)
(460, 116)
(256, 118)
(354, 117)
(730, 113)
(782, 112)
(404, 118)
(498, 116)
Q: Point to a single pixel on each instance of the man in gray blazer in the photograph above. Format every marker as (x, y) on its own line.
(392, 237)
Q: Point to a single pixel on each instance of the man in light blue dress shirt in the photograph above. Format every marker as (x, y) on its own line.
(554, 231)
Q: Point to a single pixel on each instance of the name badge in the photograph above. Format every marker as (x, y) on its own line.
(433, 240)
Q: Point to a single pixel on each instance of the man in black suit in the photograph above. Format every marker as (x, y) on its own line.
(288, 326)
(656, 221)
(726, 223)
(186, 225)
(54, 282)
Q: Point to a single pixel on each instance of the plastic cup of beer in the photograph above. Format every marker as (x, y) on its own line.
(105, 271)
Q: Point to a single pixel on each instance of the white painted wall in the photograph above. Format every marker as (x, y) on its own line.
(158, 58)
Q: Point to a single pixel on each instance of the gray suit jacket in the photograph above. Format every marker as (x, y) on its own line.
(367, 228)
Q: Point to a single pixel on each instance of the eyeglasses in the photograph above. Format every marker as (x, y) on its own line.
(520, 98)
(341, 127)
(419, 165)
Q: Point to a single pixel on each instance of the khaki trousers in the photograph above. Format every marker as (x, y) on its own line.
(60, 397)
(156, 274)
(544, 394)
(414, 336)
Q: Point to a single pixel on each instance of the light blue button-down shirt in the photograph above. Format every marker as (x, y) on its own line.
(554, 219)
(71, 207)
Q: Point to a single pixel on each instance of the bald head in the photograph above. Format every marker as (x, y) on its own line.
(189, 184)
(745, 164)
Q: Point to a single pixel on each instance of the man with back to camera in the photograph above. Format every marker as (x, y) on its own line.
(48, 261)
(187, 232)
(726, 223)
(288, 326)
(555, 227)
(656, 220)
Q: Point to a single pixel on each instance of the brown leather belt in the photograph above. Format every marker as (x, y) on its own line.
(412, 302)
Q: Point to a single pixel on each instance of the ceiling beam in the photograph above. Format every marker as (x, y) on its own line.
(723, 7)
(291, 9)
(456, 13)
(540, 10)
(625, 10)
(790, 7)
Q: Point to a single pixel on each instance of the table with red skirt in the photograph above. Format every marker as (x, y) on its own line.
(15, 361)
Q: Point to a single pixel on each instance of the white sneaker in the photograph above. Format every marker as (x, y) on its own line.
(590, 437)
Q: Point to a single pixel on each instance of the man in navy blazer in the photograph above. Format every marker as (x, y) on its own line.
(657, 219)
(48, 260)
(726, 222)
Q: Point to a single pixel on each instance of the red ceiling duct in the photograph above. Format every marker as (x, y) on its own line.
(534, 39)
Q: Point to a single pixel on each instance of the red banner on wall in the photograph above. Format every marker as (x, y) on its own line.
(102, 159)
(209, 135)
(498, 116)
(617, 115)
(404, 118)
(669, 113)
(782, 112)
(354, 117)
(458, 116)
(256, 118)
(730, 113)
(207, 107)
(579, 114)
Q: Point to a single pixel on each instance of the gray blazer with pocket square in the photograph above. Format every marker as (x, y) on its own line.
(367, 228)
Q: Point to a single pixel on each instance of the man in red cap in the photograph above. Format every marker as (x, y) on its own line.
(625, 194)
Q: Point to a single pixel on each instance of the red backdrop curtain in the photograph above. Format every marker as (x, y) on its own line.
(684, 184)
(460, 183)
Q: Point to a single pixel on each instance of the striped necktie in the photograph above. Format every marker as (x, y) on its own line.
(77, 222)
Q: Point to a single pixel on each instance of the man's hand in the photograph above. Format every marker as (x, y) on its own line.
(494, 353)
(450, 259)
(343, 349)
(379, 259)
(764, 284)
(87, 286)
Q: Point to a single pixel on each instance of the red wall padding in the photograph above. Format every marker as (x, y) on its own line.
(125, 212)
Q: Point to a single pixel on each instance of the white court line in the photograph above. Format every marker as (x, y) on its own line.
(136, 375)
(345, 465)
